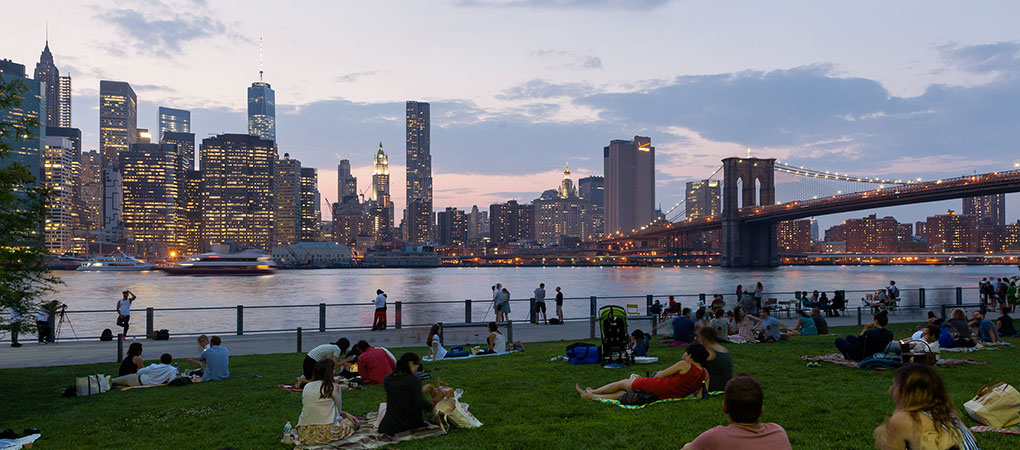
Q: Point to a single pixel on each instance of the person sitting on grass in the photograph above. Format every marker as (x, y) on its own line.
(203, 345)
(820, 323)
(639, 344)
(332, 351)
(743, 403)
(720, 324)
(717, 302)
(405, 397)
(719, 363)
(701, 319)
(925, 416)
(434, 342)
(683, 327)
(374, 363)
(151, 375)
(873, 339)
(133, 361)
(322, 418)
(1004, 324)
(984, 327)
(744, 324)
(805, 325)
(496, 340)
(685, 378)
(773, 327)
(215, 361)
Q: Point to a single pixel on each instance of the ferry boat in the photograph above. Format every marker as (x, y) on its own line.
(63, 262)
(115, 262)
(243, 263)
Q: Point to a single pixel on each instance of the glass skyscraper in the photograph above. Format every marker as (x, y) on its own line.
(262, 111)
(118, 120)
(27, 152)
(418, 215)
(238, 191)
(174, 121)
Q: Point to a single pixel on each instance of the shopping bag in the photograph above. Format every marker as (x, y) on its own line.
(454, 414)
(92, 385)
(995, 405)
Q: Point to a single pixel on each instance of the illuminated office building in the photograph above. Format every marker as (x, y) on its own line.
(262, 110)
(872, 235)
(64, 102)
(113, 197)
(47, 73)
(478, 223)
(149, 174)
(288, 200)
(118, 120)
(346, 184)
(990, 209)
(27, 152)
(452, 227)
(418, 215)
(238, 205)
(57, 177)
(951, 233)
(564, 217)
(381, 187)
(172, 120)
(510, 221)
(90, 178)
(630, 184)
(793, 236)
(703, 199)
(190, 213)
(185, 143)
(311, 214)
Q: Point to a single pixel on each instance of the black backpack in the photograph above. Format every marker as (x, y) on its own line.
(106, 336)
(637, 397)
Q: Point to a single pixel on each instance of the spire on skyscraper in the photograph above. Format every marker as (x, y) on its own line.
(260, 58)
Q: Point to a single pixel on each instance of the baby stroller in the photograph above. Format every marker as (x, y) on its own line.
(615, 339)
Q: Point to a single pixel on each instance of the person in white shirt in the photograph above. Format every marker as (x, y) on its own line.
(496, 340)
(322, 419)
(435, 344)
(15, 326)
(124, 310)
(42, 324)
(151, 375)
(379, 323)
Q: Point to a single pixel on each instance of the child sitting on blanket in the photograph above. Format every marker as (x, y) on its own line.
(743, 404)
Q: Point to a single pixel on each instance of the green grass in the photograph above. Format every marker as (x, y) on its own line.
(523, 401)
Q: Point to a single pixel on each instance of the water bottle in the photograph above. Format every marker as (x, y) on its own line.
(287, 428)
(286, 433)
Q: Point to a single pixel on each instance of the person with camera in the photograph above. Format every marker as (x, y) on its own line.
(124, 311)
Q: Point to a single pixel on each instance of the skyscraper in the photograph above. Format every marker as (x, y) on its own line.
(630, 184)
(185, 143)
(174, 121)
(64, 102)
(190, 212)
(478, 223)
(57, 178)
(118, 120)
(990, 209)
(46, 72)
(262, 110)
(419, 173)
(113, 198)
(592, 189)
(381, 184)
(346, 184)
(91, 193)
(238, 204)
(73, 134)
(452, 226)
(27, 152)
(288, 200)
(311, 214)
(149, 174)
(703, 199)
(510, 221)
(12, 68)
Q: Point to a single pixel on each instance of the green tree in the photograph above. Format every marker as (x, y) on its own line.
(23, 275)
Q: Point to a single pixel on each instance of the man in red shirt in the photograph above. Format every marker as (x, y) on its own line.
(374, 363)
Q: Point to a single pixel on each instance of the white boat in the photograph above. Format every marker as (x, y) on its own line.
(247, 262)
(118, 262)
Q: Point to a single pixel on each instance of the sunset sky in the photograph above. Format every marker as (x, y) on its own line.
(520, 87)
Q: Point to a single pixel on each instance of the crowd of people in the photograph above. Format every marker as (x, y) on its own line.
(1001, 291)
(213, 365)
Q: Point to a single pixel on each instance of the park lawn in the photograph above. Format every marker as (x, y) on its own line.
(523, 401)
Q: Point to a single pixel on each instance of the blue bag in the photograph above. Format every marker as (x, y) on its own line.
(585, 354)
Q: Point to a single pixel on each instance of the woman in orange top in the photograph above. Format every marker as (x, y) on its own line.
(680, 380)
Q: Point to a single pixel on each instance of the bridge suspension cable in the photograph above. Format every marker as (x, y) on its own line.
(681, 213)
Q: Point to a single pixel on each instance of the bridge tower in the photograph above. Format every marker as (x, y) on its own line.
(747, 244)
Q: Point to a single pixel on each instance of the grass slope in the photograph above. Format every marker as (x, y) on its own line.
(524, 402)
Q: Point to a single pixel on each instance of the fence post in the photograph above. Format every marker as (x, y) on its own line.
(655, 325)
(943, 310)
(510, 330)
(322, 318)
(959, 299)
(299, 339)
(467, 311)
(648, 304)
(920, 297)
(858, 315)
(120, 347)
(149, 317)
(396, 314)
(593, 310)
(240, 320)
(533, 315)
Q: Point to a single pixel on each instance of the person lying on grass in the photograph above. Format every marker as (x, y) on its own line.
(151, 375)
(925, 416)
(743, 403)
(680, 380)
(322, 419)
(719, 363)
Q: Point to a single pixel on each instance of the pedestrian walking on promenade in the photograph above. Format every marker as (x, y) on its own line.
(379, 322)
(124, 311)
(540, 303)
(497, 301)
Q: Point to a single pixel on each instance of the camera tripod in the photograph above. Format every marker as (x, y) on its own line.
(64, 319)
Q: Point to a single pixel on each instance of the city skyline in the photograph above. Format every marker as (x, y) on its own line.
(585, 95)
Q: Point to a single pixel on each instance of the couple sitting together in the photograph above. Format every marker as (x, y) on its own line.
(372, 364)
(214, 361)
(495, 343)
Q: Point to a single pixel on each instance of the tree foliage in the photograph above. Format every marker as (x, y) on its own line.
(23, 275)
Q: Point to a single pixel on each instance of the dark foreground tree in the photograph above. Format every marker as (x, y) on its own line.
(23, 275)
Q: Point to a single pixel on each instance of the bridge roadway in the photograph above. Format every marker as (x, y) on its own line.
(63, 353)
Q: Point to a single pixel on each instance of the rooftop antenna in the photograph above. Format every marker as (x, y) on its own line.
(260, 58)
(47, 33)
(748, 148)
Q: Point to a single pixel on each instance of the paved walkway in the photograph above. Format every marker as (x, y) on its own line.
(85, 352)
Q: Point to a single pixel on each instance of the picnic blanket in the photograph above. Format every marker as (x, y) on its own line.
(668, 400)
(143, 387)
(15, 444)
(980, 346)
(985, 429)
(423, 358)
(836, 358)
(367, 437)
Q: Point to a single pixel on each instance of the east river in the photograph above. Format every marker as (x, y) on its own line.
(84, 291)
